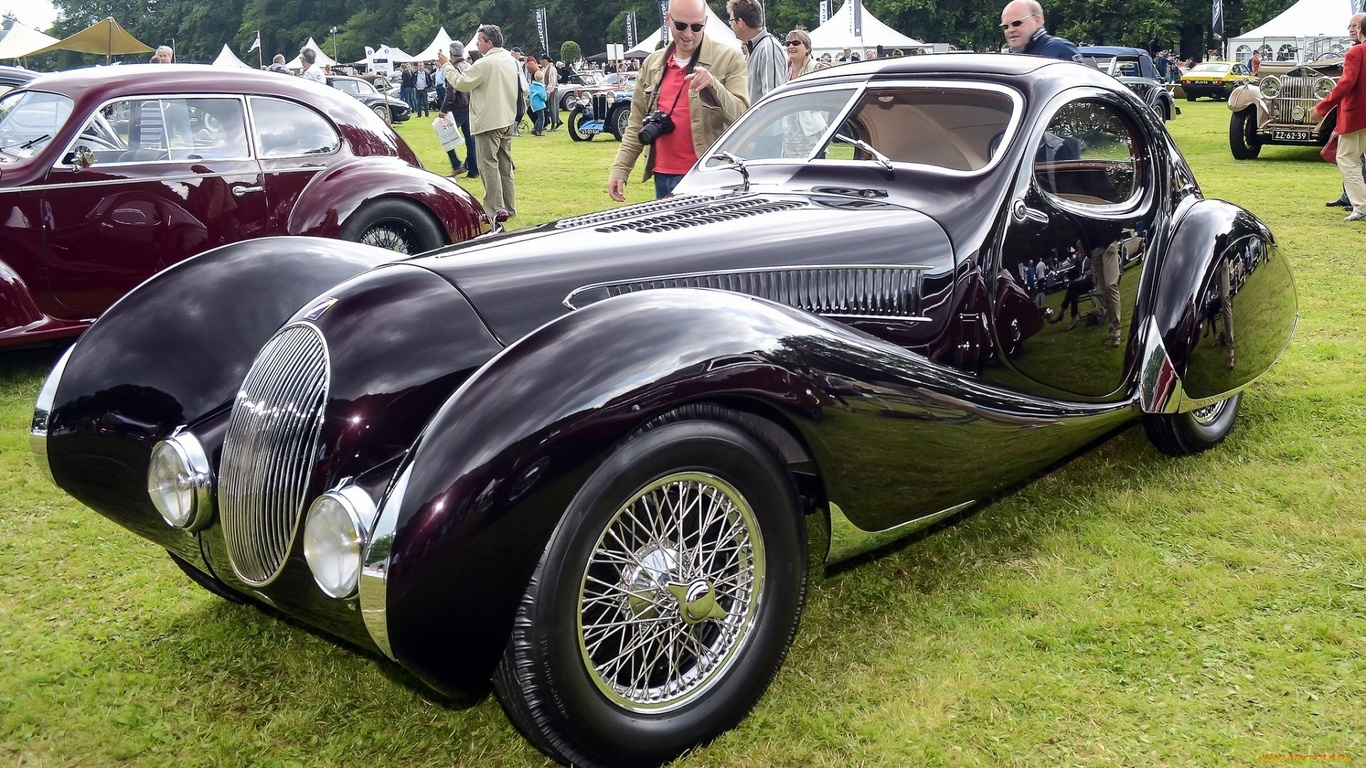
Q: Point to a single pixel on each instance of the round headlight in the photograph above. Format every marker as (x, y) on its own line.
(1271, 86)
(180, 483)
(1322, 87)
(334, 539)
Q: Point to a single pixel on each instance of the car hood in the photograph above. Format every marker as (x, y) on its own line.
(535, 275)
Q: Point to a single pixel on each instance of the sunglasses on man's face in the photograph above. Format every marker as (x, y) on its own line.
(682, 25)
(1014, 23)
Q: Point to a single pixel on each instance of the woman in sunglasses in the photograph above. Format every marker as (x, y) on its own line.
(691, 91)
(802, 129)
(1022, 23)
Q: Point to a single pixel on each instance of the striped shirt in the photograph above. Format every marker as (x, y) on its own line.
(767, 65)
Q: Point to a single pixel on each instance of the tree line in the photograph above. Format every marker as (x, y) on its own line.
(199, 29)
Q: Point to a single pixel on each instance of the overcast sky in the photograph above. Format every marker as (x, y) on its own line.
(38, 14)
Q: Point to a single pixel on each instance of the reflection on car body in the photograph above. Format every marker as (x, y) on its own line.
(581, 459)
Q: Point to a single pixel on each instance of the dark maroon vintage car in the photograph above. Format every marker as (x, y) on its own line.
(581, 459)
(110, 175)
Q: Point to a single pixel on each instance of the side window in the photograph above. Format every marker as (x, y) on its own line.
(205, 128)
(1089, 154)
(286, 129)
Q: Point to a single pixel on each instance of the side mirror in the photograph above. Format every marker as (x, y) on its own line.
(81, 158)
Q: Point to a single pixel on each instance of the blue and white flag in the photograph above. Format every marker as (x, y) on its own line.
(1218, 26)
(858, 18)
(825, 11)
(543, 30)
(631, 38)
(664, 31)
(257, 43)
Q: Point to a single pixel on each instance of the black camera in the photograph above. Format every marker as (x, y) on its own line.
(654, 125)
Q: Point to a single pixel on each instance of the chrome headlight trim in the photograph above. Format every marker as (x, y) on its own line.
(189, 464)
(1270, 86)
(356, 511)
(42, 413)
(374, 575)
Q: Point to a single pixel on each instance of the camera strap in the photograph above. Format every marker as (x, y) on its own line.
(664, 65)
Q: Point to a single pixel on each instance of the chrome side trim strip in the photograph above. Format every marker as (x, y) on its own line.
(374, 575)
(42, 413)
(848, 540)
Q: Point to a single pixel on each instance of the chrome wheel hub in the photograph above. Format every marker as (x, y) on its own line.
(670, 594)
(1209, 414)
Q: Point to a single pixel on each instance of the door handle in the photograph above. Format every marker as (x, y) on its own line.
(244, 191)
(1023, 213)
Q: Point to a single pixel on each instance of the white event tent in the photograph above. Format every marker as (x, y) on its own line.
(717, 30)
(323, 59)
(442, 42)
(1303, 31)
(226, 58)
(835, 35)
(20, 41)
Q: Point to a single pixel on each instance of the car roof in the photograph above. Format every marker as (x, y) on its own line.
(133, 79)
(1111, 50)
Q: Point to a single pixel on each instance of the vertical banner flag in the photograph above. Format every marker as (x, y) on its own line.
(825, 11)
(543, 31)
(858, 17)
(1218, 25)
(664, 31)
(1358, 6)
(631, 38)
(257, 43)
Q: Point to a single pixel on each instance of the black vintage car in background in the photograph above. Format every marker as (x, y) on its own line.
(582, 459)
(1135, 68)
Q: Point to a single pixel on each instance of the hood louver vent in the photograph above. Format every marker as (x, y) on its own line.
(857, 291)
(630, 211)
(703, 214)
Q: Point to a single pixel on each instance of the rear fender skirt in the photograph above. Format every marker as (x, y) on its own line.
(334, 196)
(1224, 302)
(490, 477)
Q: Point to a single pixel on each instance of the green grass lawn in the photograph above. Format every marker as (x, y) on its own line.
(1127, 609)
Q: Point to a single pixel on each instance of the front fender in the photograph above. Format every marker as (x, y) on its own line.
(1245, 96)
(496, 467)
(1225, 303)
(332, 197)
(173, 352)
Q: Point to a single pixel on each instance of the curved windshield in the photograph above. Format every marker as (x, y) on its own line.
(29, 120)
(957, 129)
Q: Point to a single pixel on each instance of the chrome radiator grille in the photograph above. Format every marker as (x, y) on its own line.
(268, 453)
(1295, 100)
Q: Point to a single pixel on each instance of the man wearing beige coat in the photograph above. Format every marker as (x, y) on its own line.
(491, 83)
(700, 84)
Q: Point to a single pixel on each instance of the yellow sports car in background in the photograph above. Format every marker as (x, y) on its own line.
(1215, 79)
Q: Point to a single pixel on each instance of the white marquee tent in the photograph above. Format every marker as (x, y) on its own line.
(716, 30)
(442, 42)
(226, 58)
(1304, 31)
(323, 59)
(835, 35)
(20, 41)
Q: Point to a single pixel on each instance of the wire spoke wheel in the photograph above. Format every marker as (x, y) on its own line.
(391, 236)
(668, 597)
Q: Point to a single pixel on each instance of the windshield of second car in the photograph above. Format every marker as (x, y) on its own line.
(29, 120)
(953, 128)
(1213, 69)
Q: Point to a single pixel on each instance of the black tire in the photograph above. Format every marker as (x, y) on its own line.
(575, 123)
(208, 582)
(1190, 96)
(1185, 434)
(1242, 134)
(382, 112)
(396, 225)
(618, 119)
(622, 569)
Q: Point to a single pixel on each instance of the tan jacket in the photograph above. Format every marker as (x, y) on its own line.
(491, 83)
(712, 109)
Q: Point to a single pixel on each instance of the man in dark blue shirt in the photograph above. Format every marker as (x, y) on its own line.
(1022, 23)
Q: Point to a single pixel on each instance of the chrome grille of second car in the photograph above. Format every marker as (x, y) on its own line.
(1295, 99)
(268, 453)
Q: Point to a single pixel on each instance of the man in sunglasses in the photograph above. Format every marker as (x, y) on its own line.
(767, 59)
(698, 84)
(1022, 23)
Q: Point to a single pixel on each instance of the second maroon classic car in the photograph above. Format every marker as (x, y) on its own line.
(109, 175)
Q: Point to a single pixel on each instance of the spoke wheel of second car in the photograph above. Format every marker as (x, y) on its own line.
(665, 600)
(394, 225)
(381, 111)
(619, 119)
(1242, 134)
